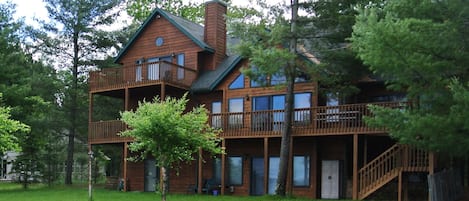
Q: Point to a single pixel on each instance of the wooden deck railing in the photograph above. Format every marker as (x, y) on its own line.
(328, 120)
(388, 165)
(343, 119)
(106, 131)
(141, 74)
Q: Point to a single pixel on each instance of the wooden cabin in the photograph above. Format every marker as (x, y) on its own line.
(333, 153)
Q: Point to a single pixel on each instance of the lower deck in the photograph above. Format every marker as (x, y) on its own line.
(320, 167)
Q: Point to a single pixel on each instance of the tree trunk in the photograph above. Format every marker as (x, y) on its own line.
(164, 189)
(73, 111)
(286, 130)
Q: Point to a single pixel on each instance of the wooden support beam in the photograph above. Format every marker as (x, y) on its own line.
(266, 165)
(199, 173)
(405, 187)
(90, 108)
(431, 163)
(399, 187)
(163, 91)
(124, 156)
(365, 150)
(355, 168)
(289, 186)
(223, 167)
(313, 169)
(126, 99)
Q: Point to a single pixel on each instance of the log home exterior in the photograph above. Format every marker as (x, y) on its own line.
(333, 153)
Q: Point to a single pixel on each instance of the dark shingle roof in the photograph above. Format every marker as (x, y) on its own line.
(192, 30)
(208, 80)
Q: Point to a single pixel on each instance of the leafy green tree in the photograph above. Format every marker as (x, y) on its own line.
(8, 127)
(74, 38)
(420, 47)
(163, 129)
(28, 88)
(141, 9)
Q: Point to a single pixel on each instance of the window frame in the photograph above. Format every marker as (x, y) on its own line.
(238, 80)
(306, 165)
(230, 170)
(235, 123)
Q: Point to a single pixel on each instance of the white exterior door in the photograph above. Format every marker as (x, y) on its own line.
(330, 179)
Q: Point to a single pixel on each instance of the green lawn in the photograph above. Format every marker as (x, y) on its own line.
(10, 191)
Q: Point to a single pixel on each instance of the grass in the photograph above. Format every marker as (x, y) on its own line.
(38, 192)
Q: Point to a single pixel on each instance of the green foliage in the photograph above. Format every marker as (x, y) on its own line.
(9, 127)
(327, 29)
(29, 88)
(72, 40)
(165, 130)
(420, 47)
(141, 9)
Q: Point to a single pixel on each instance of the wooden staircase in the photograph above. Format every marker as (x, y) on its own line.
(389, 165)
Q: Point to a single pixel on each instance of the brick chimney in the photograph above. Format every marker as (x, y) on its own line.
(215, 32)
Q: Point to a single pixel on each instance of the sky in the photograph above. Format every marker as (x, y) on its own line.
(31, 9)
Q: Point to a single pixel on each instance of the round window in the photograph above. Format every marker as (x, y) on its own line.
(159, 41)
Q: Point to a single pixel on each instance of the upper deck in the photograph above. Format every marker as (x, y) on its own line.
(138, 75)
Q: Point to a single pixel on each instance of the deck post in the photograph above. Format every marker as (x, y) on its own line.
(314, 165)
(223, 166)
(199, 173)
(365, 150)
(163, 91)
(266, 165)
(289, 186)
(355, 168)
(126, 99)
(90, 108)
(124, 175)
(431, 163)
(399, 187)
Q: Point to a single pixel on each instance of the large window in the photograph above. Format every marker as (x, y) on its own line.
(138, 70)
(273, 173)
(180, 62)
(238, 83)
(235, 105)
(263, 119)
(301, 170)
(332, 104)
(276, 78)
(155, 67)
(235, 171)
(217, 170)
(216, 114)
(302, 104)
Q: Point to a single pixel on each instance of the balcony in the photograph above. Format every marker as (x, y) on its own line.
(106, 132)
(327, 120)
(144, 74)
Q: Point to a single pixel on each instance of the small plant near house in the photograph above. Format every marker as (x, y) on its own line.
(163, 129)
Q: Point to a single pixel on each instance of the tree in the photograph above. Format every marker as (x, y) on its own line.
(330, 26)
(264, 41)
(164, 130)
(73, 39)
(29, 89)
(422, 48)
(8, 127)
(141, 9)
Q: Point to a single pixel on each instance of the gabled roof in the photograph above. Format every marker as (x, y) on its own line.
(192, 30)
